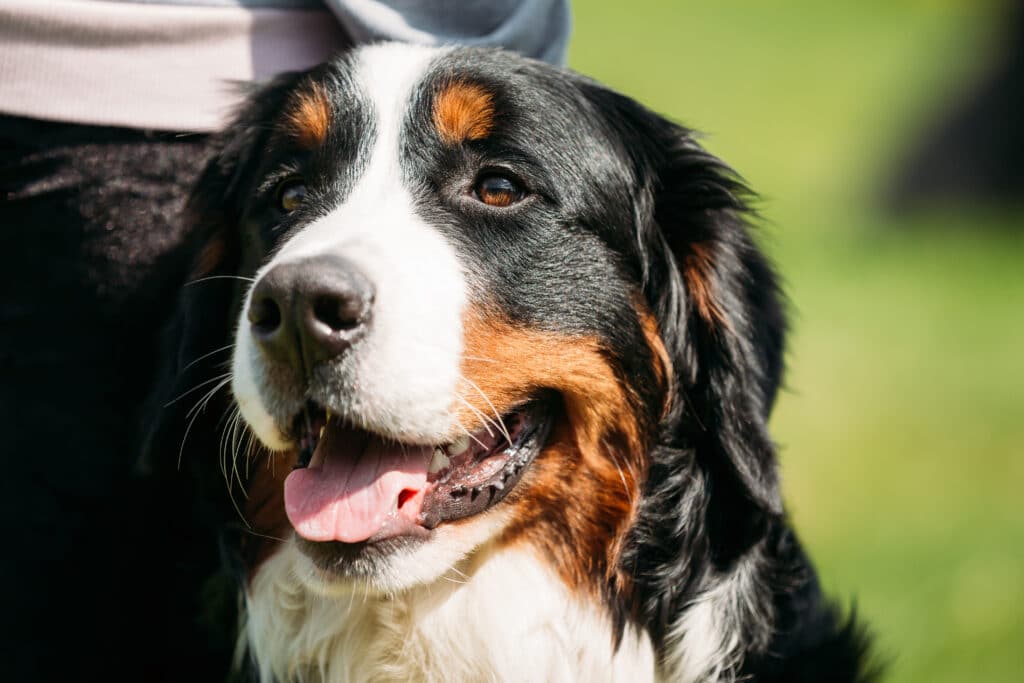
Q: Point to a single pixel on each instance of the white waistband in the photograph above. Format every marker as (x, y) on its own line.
(148, 66)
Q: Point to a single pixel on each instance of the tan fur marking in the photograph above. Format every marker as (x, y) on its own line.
(582, 491)
(209, 257)
(263, 507)
(698, 269)
(463, 111)
(309, 116)
(662, 361)
(510, 364)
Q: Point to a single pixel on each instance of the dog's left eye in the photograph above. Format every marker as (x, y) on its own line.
(290, 194)
(498, 189)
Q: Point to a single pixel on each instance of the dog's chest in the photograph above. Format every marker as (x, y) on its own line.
(509, 620)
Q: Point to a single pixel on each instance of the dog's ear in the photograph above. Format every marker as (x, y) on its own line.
(720, 314)
(195, 350)
(726, 330)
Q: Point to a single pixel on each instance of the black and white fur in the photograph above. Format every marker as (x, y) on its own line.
(719, 589)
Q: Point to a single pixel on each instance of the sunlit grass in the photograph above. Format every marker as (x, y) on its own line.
(902, 426)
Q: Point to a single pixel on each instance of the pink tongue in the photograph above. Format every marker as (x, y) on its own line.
(358, 489)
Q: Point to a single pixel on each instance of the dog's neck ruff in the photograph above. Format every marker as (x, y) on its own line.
(498, 616)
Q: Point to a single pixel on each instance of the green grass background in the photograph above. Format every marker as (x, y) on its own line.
(902, 427)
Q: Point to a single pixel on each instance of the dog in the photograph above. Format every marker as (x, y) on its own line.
(504, 349)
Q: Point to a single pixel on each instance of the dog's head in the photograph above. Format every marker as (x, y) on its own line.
(474, 299)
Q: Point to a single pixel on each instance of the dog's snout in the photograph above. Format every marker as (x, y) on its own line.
(308, 311)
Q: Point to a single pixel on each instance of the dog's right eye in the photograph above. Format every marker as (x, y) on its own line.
(498, 189)
(290, 194)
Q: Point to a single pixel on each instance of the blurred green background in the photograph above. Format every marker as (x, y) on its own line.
(901, 430)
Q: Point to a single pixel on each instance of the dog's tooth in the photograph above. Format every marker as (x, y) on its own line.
(459, 446)
(439, 462)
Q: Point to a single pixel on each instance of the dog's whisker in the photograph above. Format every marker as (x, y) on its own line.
(229, 415)
(196, 388)
(498, 424)
(252, 532)
(250, 446)
(192, 420)
(622, 475)
(222, 446)
(469, 433)
(484, 418)
(235, 448)
(228, 427)
(501, 421)
(219, 277)
(205, 399)
(235, 443)
(207, 355)
(222, 441)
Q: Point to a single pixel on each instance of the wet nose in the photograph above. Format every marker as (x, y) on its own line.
(308, 311)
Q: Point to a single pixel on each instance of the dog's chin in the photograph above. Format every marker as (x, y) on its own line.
(360, 562)
(396, 564)
(385, 566)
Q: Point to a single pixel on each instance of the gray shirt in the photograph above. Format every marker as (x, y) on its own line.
(175, 64)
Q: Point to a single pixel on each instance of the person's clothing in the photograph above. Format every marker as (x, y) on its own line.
(168, 67)
(103, 571)
(176, 64)
(535, 28)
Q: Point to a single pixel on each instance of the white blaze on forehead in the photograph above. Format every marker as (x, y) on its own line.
(388, 74)
(401, 379)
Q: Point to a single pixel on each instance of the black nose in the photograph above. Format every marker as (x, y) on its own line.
(312, 310)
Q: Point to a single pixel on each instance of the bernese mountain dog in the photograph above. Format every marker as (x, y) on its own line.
(497, 351)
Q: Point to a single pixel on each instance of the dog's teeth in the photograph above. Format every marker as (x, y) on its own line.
(321, 434)
(439, 462)
(459, 446)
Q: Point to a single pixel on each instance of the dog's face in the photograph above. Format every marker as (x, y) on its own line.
(483, 291)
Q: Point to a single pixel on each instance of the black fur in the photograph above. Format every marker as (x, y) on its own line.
(621, 202)
(712, 496)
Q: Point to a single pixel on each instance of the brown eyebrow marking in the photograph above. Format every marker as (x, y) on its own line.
(309, 116)
(463, 111)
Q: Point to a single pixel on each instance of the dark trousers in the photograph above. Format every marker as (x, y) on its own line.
(102, 568)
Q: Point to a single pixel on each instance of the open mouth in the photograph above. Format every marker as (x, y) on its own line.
(354, 486)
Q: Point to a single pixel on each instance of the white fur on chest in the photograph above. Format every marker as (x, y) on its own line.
(506, 619)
